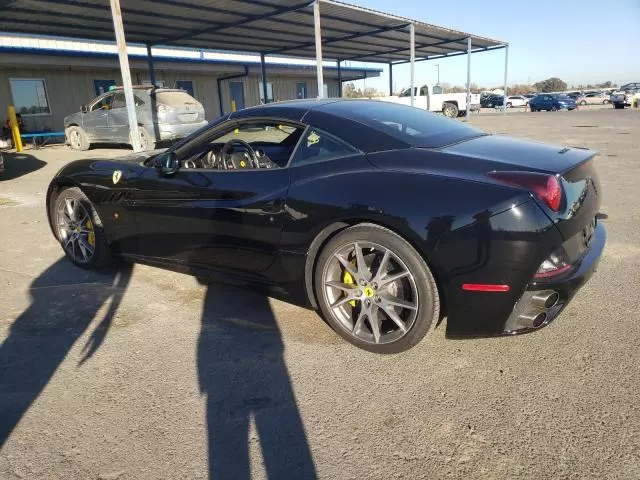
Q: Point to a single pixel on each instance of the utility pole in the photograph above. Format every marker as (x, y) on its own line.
(438, 67)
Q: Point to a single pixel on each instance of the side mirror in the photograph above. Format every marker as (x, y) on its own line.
(84, 109)
(166, 164)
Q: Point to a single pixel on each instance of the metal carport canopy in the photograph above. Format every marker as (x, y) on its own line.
(270, 27)
(298, 28)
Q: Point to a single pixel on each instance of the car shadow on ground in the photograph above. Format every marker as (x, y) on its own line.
(64, 302)
(242, 372)
(19, 164)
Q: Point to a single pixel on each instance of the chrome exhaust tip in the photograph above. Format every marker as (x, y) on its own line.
(545, 300)
(532, 320)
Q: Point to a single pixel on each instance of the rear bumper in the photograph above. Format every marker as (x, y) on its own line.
(566, 286)
(174, 132)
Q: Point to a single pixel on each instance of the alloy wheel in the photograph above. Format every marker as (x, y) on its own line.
(371, 292)
(76, 230)
(74, 139)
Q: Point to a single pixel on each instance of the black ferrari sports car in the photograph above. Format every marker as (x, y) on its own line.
(383, 217)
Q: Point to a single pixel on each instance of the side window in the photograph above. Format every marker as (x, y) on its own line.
(437, 89)
(424, 91)
(118, 101)
(317, 145)
(103, 104)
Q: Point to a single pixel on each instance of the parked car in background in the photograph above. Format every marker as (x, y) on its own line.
(594, 99)
(529, 96)
(517, 101)
(163, 114)
(551, 102)
(622, 98)
(491, 101)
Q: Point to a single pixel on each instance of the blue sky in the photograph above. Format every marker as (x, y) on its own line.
(584, 41)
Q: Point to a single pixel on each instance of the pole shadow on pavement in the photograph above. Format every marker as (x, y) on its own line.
(64, 302)
(243, 374)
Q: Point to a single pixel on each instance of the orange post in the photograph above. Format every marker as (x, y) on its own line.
(15, 129)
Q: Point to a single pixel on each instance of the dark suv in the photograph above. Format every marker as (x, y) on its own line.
(163, 114)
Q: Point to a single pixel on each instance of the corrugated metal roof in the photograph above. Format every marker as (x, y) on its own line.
(274, 27)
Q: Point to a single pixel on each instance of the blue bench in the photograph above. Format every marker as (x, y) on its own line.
(45, 136)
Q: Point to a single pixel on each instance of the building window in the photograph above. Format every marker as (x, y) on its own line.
(103, 86)
(186, 85)
(30, 96)
(269, 92)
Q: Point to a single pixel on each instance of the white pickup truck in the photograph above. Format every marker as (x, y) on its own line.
(434, 99)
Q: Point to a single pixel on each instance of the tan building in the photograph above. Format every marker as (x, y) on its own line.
(46, 85)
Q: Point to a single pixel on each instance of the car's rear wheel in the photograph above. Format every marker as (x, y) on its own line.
(79, 230)
(146, 141)
(450, 110)
(77, 138)
(583, 103)
(605, 101)
(618, 106)
(509, 105)
(375, 290)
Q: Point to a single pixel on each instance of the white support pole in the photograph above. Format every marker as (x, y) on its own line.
(118, 28)
(318, 34)
(468, 109)
(506, 64)
(412, 47)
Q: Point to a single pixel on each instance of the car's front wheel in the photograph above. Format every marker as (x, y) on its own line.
(605, 101)
(77, 138)
(375, 290)
(79, 230)
(583, 103)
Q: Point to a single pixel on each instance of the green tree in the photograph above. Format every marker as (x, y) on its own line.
(553, 84)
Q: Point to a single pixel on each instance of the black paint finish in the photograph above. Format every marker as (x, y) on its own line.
(266, 226)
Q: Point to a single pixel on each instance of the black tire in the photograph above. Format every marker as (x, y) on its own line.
(449, 110)
(618, 106)
(509, 105)
(533, 109)
(605, 101)
(101, 256)
(428, 301)
(554, 109)
(77, 138)
(583, 103)
(147, 142)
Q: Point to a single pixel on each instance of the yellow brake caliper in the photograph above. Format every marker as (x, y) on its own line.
(348, 279)
(92, 236)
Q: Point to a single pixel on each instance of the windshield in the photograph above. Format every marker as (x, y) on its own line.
(177, 98)
(411, 125)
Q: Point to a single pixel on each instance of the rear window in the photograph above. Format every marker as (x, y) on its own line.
(411, 125)
(177, 99)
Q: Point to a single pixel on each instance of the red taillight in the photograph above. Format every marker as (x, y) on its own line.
(546, 187)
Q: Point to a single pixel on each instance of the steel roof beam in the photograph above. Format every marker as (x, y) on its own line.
(248, 19)
(418, 47)
(341, 39)
(447, 55)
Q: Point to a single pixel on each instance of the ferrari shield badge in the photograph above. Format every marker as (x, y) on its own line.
(117, 174)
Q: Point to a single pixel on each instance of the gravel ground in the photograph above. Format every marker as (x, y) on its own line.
(145, 374)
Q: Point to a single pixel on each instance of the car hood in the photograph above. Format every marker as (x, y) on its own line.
(140, 156)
